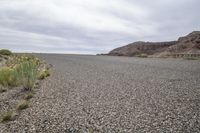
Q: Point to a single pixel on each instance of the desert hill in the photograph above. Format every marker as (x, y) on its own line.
(189, 44)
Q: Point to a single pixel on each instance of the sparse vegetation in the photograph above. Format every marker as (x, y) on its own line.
(36, 85)
(18, 59)
(27, 73)
(43, 74)
(20, 71)
(192, 58)
(28, 96)
(142, 55)
(5, 52)
(7, 77)
(22, 105)
(8, 116)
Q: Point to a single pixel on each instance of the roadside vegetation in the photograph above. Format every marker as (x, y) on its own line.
(142, 55)
(8, 116)
(7, 77)
(191, 58)
(5, 52)
(23, 72)
(28, 96)
(44, 73)
(23, 104)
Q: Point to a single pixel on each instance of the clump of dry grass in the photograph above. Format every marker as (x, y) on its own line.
(22, 105)
(43, 74)
(8, 116)
(28, 96)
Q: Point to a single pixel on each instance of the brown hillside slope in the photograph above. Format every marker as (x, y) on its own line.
(137, 48)
(186, 44)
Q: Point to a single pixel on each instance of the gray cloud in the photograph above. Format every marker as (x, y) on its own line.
(90, 27)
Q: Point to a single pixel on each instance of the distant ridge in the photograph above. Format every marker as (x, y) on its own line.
(189, 44)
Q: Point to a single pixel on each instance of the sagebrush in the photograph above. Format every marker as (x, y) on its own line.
(22, 71)
(27, 73)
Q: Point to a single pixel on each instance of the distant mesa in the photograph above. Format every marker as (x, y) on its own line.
(189, 44)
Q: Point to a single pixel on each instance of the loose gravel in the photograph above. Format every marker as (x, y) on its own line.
(88, 94)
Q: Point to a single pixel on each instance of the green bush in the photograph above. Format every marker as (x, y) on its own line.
(5, 52)
(27, 73)
(7, 77)
(24, 74)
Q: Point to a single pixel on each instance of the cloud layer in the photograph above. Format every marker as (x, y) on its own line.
(92, 26)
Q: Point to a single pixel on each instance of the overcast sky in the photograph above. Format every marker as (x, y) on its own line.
(92, 26)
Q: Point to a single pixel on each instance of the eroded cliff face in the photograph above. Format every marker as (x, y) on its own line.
(187, 44)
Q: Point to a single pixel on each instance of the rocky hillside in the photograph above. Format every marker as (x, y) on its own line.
(186, 44)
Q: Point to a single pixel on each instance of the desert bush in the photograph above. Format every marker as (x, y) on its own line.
(43, 74)
(18, 59)
(27, 73)
(5, 74)
(24, 74)
(7, 77)
(8, 116)
(5, 52)
(21, 70)
(22, 105)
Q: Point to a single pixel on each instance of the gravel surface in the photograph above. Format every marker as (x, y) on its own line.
(112, 95)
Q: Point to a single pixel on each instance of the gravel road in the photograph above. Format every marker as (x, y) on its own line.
(114, 95)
